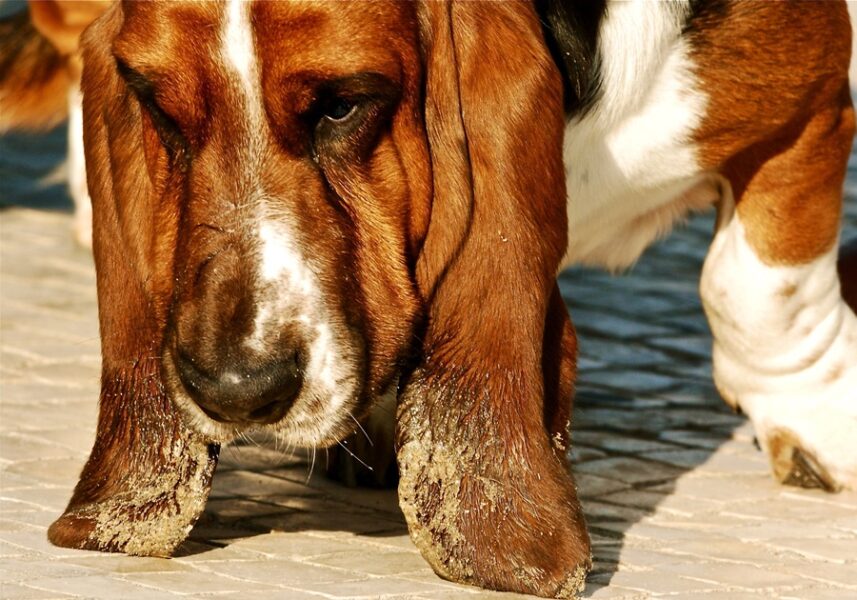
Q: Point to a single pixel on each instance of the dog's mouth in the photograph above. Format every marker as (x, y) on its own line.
(304, 418)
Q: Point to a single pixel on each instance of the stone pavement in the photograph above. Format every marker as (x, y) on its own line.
(678, 499)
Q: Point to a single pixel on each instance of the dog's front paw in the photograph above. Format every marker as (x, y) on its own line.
(494, 517)
(141, 512)
(810, 444)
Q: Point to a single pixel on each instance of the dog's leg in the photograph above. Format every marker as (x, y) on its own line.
(485, 484)
(785, 340)
(77, 169)
(147, 479)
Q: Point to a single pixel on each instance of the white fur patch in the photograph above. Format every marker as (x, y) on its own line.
(631, 168)
(290, 303)
(785, 347)
(290, 299)
(281, 260)
(239, 53)
(77, 169)
(238, 42)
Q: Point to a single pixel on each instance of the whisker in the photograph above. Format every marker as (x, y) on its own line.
(366, 435)
(311, 468)
(354, 456)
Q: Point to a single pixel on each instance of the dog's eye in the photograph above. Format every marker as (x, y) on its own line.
(166, 127)
(349, 114)
(340, 109)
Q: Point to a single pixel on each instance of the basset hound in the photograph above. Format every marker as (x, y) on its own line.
(303, 207)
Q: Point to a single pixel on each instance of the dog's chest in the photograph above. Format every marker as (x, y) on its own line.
(632, 168)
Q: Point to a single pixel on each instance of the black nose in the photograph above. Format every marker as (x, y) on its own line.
(240, 394)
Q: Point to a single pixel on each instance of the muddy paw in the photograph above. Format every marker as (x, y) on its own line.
(794, 465)
(809, 444)
(513, 529)
(145, 512)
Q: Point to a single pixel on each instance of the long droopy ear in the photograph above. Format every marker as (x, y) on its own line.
(484, 482)
(148, 477)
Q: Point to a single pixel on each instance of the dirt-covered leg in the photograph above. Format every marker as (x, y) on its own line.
(148, 476)
(785, 340)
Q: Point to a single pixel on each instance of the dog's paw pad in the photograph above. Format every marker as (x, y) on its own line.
(794, 465)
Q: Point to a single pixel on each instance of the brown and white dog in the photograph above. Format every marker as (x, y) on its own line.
(300, 208)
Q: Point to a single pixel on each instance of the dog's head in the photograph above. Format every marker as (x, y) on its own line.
(316, 198)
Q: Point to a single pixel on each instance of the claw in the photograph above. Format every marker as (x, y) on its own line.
(793, 465)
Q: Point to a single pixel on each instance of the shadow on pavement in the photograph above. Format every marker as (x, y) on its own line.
(32, 170)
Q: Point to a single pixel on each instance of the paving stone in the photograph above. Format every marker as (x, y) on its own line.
(281, 573)
(385, 563)
(593, 486)
(826, 549)
(747, 577)
(27, 571)
(654, 583)
(99, 587)
(12, 591)
(352, 521)
(195, 583)
(256, 485)
(630, 470)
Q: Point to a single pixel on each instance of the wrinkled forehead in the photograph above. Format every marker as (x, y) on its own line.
(229, 36)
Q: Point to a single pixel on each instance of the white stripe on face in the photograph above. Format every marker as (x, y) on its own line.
(239, 53)
(288, 297)
(281, 261)
(238, 41)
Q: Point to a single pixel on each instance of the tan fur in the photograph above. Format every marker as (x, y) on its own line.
(41, 60)
(779, 127)
(487, 496)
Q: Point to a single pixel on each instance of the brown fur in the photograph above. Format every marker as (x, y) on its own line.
(488, 501)
(33, 77)
(778, 125)
(40, 61)
(413, 227)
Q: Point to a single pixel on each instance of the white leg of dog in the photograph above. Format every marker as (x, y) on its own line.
(77, 170)
(785, 352)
